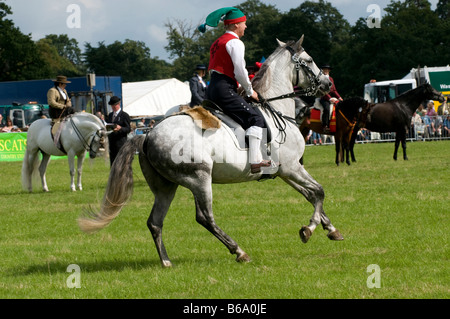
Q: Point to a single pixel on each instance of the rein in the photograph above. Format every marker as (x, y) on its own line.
(346, 119)
(279, 118)
(86, 145)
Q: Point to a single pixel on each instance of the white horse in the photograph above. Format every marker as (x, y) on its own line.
(176, 152)
(80, 133)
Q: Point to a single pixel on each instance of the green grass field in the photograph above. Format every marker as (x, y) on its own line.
(392, 214)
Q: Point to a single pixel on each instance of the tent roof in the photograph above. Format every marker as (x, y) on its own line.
(149, 98)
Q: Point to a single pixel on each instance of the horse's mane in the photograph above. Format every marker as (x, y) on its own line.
(91, 116)
(352, 103)
(263, 77)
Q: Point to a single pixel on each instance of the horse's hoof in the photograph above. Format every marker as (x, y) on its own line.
(335, 235)
(243, 258)
(166, 264)
(305, 234)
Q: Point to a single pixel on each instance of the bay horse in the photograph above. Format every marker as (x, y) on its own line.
(395, 115)
(80, 132)
(176, 152)
(348, 113)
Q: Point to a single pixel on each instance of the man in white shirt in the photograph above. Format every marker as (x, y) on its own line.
(227, 67)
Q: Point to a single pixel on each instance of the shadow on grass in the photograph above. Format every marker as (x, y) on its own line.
(88, 267)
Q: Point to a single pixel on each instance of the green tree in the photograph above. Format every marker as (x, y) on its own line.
(54, 63)
(411, 35)
(130, 59)
(325, 29)
(19, 56)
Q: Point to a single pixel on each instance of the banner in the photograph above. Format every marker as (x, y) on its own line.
(12, 146)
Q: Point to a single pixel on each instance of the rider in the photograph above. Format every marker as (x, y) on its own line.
(227, 69)
(325, 100)
(58, 100)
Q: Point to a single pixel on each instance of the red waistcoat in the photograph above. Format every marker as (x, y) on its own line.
(220, 60)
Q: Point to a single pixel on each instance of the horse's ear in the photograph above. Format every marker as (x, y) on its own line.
(298, 45)
(281, 43)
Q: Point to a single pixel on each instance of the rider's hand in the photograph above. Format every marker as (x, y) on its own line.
(255, 96)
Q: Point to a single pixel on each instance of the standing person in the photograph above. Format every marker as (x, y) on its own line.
(122, 126)
(58, 100)
(198, 86)
(227, 69)
(325, 100)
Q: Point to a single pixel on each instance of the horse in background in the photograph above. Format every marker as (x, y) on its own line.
(80, 132)
(395, 115)
(347, 114)
(175, 152)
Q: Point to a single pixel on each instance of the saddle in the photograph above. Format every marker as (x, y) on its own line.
(234, 126)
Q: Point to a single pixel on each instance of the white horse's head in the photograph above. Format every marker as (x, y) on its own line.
(306, 75)
(91, 132)
(289, 67)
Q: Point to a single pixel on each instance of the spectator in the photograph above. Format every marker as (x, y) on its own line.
(9, 127)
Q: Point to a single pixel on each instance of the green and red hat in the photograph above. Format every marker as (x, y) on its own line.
(229, 15)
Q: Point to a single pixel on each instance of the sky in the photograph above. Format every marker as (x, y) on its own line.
(93, 21)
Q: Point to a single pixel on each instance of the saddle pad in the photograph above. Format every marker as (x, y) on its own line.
(316, 118)
(203, 117)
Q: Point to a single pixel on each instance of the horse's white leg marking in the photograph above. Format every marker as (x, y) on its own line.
(80, 160)
(71, 159)
(43, 169)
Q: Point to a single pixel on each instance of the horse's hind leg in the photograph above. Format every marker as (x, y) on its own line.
(43, 169)
(204, 216)
(313, 192)
(164, 192)
(403, 140)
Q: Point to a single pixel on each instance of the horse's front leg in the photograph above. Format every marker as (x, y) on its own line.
(71, 159)
(43, 169)
(80, 161)
(314, 193)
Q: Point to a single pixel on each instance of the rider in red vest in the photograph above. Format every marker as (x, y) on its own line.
(228, 72)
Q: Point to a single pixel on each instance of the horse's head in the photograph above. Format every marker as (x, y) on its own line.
(432, 94)
(91, 133)
(306, 75)
(99, 143)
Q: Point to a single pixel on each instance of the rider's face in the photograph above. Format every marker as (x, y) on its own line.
(240, 28)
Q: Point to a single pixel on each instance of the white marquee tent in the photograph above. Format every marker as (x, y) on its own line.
(150, 98)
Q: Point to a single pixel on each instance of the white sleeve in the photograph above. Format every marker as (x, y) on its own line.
(236, 50)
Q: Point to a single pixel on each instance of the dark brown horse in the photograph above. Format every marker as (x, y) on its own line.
(348, 113)
(395, 115)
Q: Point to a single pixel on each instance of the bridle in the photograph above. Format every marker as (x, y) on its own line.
(314, 80)
(88, 146)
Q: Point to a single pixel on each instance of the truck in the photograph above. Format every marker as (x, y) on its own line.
(438, 77)
(22, 115)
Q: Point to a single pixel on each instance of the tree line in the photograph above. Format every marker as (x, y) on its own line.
(409, 35)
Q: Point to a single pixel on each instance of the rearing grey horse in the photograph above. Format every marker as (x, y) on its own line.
(177, 152)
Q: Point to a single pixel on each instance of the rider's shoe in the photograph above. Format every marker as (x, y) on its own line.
(256, 168)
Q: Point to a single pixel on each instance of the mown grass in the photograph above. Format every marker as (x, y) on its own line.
(393, 214)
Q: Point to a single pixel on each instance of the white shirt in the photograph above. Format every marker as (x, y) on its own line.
(236, 50)
(62, 93)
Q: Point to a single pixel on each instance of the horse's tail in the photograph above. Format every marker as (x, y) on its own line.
(29, 171)
(118, 190)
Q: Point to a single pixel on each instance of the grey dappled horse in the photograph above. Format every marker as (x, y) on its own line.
(176, 152)
(80, 133)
